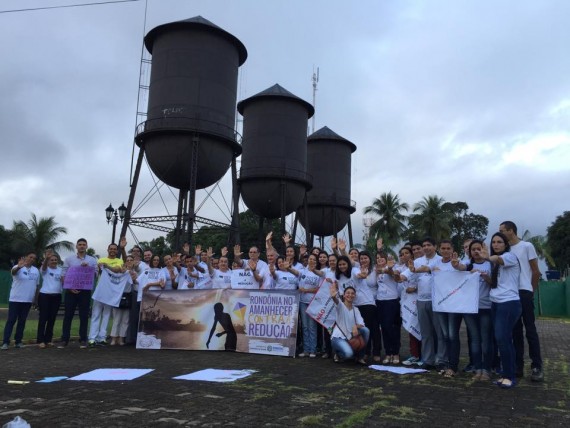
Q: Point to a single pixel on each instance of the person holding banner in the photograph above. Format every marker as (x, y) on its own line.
(366, 287)
(310, 280)
(121, 314)
(189, 275)
(505, 303)
(49, 298)
(479, 325)
(348, 322)
(78, 275)
(285, 277)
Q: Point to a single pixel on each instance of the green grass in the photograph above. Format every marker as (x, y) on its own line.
(30, 332)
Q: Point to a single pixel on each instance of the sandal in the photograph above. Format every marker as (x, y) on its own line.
(387, 359)
(335, 358)
(484, 376)
(395, 359)
(449, 373)
(362, 362)
(377, 358)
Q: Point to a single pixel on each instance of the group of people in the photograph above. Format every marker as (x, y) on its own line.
(365, 290)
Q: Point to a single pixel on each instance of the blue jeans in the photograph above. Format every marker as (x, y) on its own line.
(17, 311)
(505, 315)
(527, 303)
(309, 330)
(449, 323)
(341, 347)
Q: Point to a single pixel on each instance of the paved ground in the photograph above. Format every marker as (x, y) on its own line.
(284, 391)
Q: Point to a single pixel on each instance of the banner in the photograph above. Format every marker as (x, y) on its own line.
(456, 292)
(79, 278)
(243, 279)
(409, 312)
(111, 286)
(251, 321)
(322, 308)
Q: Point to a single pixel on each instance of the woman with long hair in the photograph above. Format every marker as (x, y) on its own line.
(505, 303)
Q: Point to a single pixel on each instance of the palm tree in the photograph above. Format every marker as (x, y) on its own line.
(39, 234)
(541, 246)
(391, 223)
(432, 218)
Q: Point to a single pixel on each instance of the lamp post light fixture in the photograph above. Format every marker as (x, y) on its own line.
(113, 217)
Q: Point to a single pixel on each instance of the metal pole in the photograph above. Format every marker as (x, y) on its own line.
(115, 220)
(132, 193)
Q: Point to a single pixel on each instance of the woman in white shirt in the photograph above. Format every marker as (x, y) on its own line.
(349, 323)
(505, 303)
(49, 298)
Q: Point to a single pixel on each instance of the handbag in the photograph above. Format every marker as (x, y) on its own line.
(357, 343)
(126, 300)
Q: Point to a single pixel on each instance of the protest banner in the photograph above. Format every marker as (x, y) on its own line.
(79, 278)
(409, 312)
(243, 280)
(110, 287)
(251, 321)
(322, 308)
(455, 291)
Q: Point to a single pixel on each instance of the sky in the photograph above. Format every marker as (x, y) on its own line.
(466, 100)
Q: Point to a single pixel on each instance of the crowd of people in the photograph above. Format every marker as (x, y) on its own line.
(365, 289)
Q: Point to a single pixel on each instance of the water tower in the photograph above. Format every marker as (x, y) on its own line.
(273, 177)
(329, 203)
(188, 137)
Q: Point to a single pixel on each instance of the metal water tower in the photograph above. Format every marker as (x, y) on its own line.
(188, 137)
(329, 203)
(273, 177)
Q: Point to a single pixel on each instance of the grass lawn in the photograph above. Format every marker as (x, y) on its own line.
(31, 329)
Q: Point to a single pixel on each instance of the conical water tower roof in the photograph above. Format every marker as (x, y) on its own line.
(197, 22)
(276, 91)
(325, 133)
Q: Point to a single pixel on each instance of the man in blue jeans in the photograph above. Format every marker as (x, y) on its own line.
(529, 278)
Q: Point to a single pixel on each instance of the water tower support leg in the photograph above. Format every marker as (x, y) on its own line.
(132, 192)
(192, 190)
(234, 237)
(350, 233)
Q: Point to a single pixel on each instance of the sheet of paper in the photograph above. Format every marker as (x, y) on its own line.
(397, 370)
(51, 379)
(112, 374)
(216, 375)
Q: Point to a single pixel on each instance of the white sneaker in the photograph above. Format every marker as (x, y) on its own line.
(301, 355)
(312, 355)
(410, 361)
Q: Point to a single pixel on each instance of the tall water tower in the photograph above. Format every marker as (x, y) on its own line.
(189, 138)
(273, 177)
(329, 203)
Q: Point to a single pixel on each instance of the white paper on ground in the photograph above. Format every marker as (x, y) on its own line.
(216, 375)
(112, 374)
(397, 370)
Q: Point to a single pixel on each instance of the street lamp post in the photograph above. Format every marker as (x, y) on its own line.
(113, 217)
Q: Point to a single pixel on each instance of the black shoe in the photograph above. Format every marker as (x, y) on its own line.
(537, 375)
(62, 345)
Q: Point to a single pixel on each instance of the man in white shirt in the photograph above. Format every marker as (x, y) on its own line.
(530, 275)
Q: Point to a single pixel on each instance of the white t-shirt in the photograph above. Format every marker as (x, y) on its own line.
(425, 280)
(484, 288)
(168, 283)
(366, 289)
(285, 280)
(24, 284)
(388, 288)
(149, 275)
(51, 281)
(525, 252)
(508, 281)
(345, 320)
(310, 281)
(221, 279)
(187, 281)
(344, 282)
(111, 287)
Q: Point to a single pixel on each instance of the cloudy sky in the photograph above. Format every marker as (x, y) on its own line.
(468, 100)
